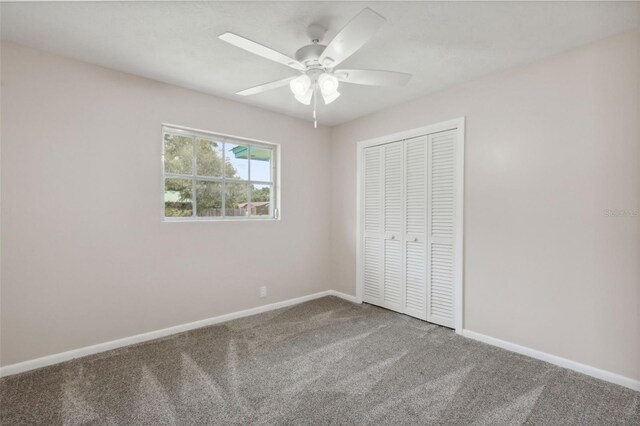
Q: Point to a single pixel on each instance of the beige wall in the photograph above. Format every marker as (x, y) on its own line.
(549, 147)
(85, 256)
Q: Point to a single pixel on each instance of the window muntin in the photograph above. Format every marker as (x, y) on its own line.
(216, 177)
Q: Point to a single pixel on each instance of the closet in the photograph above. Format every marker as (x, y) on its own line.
(408, 226)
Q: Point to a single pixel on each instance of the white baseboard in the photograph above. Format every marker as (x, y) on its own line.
(131, 340)
(556, 360)
(345, 296)
(114, 344)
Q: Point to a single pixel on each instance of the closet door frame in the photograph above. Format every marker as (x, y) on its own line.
(457, 125)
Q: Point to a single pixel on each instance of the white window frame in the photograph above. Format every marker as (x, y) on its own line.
(275, 176)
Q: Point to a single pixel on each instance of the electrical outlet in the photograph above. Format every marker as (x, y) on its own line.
(263, 291)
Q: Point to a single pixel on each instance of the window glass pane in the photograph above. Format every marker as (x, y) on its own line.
(236, 199)
(215, 178)
(178, 154)
(208, 158)
(237, 159)
(260, 200)
(208, 198)
(177, 198)
(261, 164)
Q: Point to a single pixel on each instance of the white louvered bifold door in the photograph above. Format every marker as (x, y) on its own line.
(416, 227)
(441, 228)
(373, 238)
(409, 226)
(393, 283)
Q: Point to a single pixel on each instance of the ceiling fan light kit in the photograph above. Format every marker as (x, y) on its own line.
(317, 62)
(300, 85)
(330, 97)
(328, 84)
(305, 98)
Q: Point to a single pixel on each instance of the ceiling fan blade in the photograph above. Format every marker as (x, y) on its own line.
(260, 50)
(264, 87)
(373, 77)
(352, 37)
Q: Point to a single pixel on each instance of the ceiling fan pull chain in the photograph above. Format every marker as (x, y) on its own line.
(315, 103)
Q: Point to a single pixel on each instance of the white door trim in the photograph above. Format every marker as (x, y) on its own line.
(455, 124)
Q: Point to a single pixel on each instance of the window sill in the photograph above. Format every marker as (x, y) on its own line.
(209, 220)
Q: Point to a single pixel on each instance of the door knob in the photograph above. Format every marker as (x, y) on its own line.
(415, 240)
(393, 237)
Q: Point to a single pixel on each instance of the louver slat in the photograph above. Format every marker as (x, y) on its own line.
(373, 254)
(441, 229)
(442, 185)
(441, 291)
(372, 190)
(392, 274)
(416, 227)
(393, 208)
(373, 243)
(416, 293)
(416, 191)
(393, 188)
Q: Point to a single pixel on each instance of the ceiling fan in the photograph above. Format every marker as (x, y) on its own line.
(317, 63)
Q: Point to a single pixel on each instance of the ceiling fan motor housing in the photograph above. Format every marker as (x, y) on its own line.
(309, 55)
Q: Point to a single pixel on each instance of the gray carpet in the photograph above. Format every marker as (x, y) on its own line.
(323, 362)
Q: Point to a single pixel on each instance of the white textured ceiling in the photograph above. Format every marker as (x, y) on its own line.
(441, 43)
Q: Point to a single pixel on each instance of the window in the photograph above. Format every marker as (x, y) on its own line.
(212, 177)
